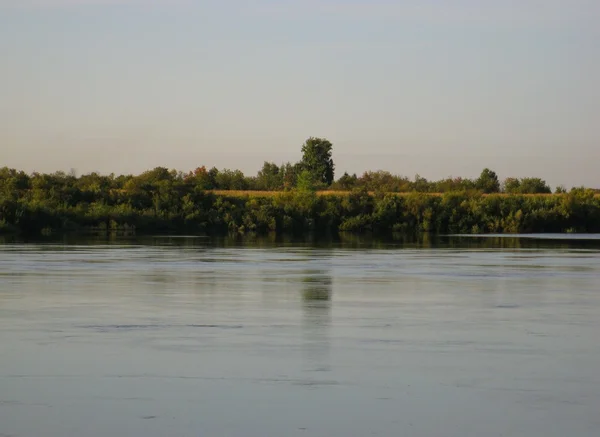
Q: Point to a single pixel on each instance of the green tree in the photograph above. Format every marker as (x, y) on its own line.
(290, 174)
(213, 173)
(512, 185)
(316, 158)
(347, 182)
(200, 179)
(270, 177)
(421, 185)
(306, 181)
(231, 180)
(534, 186)
(526, 186)
(488, 181)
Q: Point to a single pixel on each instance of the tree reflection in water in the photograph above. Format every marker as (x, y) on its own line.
(317, 290)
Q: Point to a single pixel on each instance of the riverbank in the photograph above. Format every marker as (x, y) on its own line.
(304, 211)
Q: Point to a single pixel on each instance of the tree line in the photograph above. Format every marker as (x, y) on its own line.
(172, 201)
(315, 171)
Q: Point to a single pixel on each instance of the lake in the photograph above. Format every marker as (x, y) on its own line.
(214, 337)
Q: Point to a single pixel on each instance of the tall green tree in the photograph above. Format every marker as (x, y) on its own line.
(488, 181)
(316, 158)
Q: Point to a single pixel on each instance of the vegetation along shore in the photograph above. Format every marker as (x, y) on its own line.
(299, 197)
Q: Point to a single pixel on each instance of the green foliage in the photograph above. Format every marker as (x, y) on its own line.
(346, 182)
(384, 181)
(201, 179)
(526, 186)
(488, 182)
(231, 180)
(163, 200)
(270, 177)
(316, 158)
(290, 175)
(306, 181)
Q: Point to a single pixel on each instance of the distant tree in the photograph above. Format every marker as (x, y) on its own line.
(157, 174)
(305, 181)
(560, 189)
(212, 177)
(512, 185)
(534, 186)
(231, 180)
(383, 181)
(488, 181)
(420, 184)
(270, 177)
(526, 186)
(290, 174)
(200, 179)
(316, 158)
(453, 184)
(11, 179)
(347, 182)
(94, 186)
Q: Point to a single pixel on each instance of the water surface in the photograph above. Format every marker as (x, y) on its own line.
(192, 337)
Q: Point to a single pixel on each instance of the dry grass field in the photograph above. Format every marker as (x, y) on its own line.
(250, 193)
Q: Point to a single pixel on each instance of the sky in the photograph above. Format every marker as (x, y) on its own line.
(431, 87)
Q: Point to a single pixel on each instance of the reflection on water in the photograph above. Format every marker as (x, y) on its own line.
(316, 322)
(351, 336)
(342, 240)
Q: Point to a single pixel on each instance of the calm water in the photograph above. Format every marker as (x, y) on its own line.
(186, 337)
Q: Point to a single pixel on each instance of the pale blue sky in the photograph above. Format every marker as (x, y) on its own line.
(439, 88)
